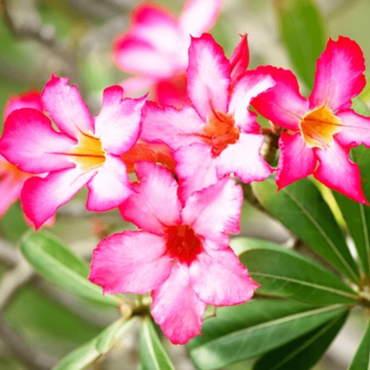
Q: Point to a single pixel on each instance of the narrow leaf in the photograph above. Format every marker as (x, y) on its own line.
(152, 354)
(302, 209)
(91, 351)
(302, 353)
(303, 34)
(59, 265)
(285, 273)
(249, 330)
(361, 361)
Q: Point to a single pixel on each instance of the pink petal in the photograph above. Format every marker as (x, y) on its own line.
(296, 161)
(156, 26)
(208, 76)
(29, 99)
(110, 187)
(41, 197)
(283, 104)
(239, 60)
(176, 307)
(119, 121)
(244, 159)
(219, 279)
(132, 261)
(172, 91)
(337, 172)
(170, 125)
(195, 168)
(30, 142)
(248, 87)
(66, 107)
(138, 83)
(355, 129)
(215, 211)
(339, 75)
(10, 190)
(155, 204)
(135, 55)
(199, 16)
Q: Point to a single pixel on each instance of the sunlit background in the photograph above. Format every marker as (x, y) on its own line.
(41, 323)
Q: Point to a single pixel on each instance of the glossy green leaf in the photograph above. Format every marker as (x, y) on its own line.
(152, 354)
(361, 361)
(285, 273)
(249, 330)
(91, 351)
(59, 265)
(303, 34)
(302, 353)
(302, 209)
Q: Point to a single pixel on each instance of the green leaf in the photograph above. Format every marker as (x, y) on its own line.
(249, 330)
(302, 209)
(361, 361)
(304, 352)
(59, 265)
(91, 351)
(285, 273)
(152, 354)
(303, 34)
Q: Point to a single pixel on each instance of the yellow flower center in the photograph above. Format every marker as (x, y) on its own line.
(88, 153)
(318, 127)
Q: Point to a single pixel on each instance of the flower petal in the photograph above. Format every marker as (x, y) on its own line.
(66, 107)
(355, 129)
(10, 190)
(172, 126)
(41, 197)
(172, 91)
(199, 16)
(208, 76)
(339, 75)
(119, 121)
(195, 168)
(244, 159)
(215, 211)
(29, 99)
(176, 308)
(110, 187)
(283, 104)
(296, 161)
(248, 87)
(337, 172)
(219, 279)
(239, 60)
(155, 204)
(30, 142)
(138, 83)
(132, 261)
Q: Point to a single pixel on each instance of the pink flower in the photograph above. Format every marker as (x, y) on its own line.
(181, 254)
(156, 47)
(323, 128)
(11, 178)
(86, 150)
(218, 135)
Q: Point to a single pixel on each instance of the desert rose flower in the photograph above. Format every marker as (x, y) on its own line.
(155, 48)
(322, 129)
(181, 253)
(85, 150)
(217, 135)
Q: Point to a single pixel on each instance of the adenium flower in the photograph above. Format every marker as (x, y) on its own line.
(323, 128)
(217, 135)
(85, 150)
(155, 48)
(181, 253)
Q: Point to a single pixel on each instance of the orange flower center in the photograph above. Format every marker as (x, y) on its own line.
(7, 168)
(88, 153)
(182, 243)
(318, 127)
(220, 131)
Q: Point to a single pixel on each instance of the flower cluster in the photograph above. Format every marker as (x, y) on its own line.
(183, 199)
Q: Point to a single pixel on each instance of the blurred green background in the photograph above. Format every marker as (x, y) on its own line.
(73, 38)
